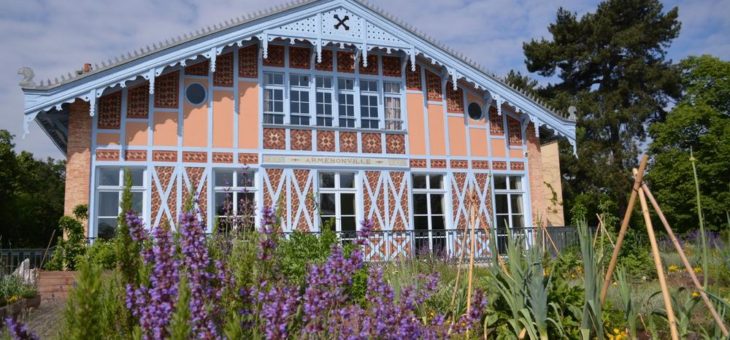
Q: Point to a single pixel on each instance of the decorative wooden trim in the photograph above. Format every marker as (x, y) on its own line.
(372, 67)
(433, 86)
(413, 79)
(110, 108)
(459, 164)
(327, 61)
(275, 56)
(222, 157)
(391, 66)
(107, 155)
(223, 75)
(299, 57)
(248, 158)
(164, 156)
(438, 163)
(135, 155)
(248, 62)
(195, 157)
(138, 101)
(166, 93)
(345, 62)
(199, 69)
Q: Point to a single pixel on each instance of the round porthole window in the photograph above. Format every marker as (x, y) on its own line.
(475, 111)
(195, 93)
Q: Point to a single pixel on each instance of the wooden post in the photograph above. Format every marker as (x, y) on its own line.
(659, 268)
(638, 179)
(458, 265)
(471, 252)
(687, 265)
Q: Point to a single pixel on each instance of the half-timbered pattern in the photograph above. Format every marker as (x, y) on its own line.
(329, 111)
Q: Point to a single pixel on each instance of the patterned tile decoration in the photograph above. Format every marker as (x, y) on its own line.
(499, 165)
(517, 166)
(481, 165)
(248, 158)
(418, 163)
(454, 99)
(275, 139)
(495, 123)
(326, 141)
(371, 143)
(485, 199)
(459, 164)
(135, 155)
(110, 108)
(373, 198)
(107, 155)
(458, 193)
(326, 64)
(194, 176)
(301, 191)
(138, 101)
(391, 66)
(195, 157)
(433, 86)
(166, 90)
(299, 57)
(438, 163)
(223, 157)
(165, 175)
(413, 79)
(372, 65)
(398, 201)
(345, 62)
(348, 142)
(223, 75)
(301, 140)
(248, 62)
(164, 156)
(199, 69)
(515, 131)
(275, 56)
(274, 191)
(395, 144)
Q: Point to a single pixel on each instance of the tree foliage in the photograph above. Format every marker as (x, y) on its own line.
(31, 196)
(701, 122)
(612, 66)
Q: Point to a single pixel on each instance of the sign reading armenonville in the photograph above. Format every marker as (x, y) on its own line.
(330, 160)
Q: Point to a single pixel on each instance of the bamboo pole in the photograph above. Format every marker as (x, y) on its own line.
(458, 266)
(471, 252)
(659, 268)
(700, 216)
(624, 226)
(687, 265)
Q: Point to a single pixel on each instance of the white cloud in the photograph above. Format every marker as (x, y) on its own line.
(58, 36)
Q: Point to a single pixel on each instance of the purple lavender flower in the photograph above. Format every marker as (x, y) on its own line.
(267, 245)
(137, 231)
(278, 307)
(18, 331)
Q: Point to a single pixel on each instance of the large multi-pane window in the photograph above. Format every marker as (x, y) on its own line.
(273, 98)
(299, 99)
(369, 104)
(337, 202)
(234, 198)
(392, 94)
(346, 101)
(508, 207)
(428, 212)
(109, 188)
(324, 100)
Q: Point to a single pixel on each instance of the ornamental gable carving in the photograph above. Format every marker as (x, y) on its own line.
(275, 56)
(372, 67)
(199, 69)
(433, 86)
(327, 61)
(413, 78)
(391, 66)
(454, 99)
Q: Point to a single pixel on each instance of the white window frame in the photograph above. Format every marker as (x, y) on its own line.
(510, 192)
(370, 122)
(322, 117)
(428, 191)
(338, 190)
(119, 190)
(393, 124)
(301, 119)
(270, 116)
(349, 120)
(235, 189)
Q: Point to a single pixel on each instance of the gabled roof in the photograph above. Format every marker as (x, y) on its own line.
(304, 20)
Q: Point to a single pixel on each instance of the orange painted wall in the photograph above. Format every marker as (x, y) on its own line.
(498, 149)
(479, 146)
(471, 98)
(416, 134)
(136, 133)
(436, 130)
(165, 129)
(457, 136)
(195, 119)
(248, 115)
(223, 119)
(515, 153)
(106, 139)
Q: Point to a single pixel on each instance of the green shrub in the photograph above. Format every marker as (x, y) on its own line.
(103, 253)
(68, 250)
(294, 255)
(12, 288)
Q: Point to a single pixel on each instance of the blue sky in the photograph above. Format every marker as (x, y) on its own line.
(55, 37)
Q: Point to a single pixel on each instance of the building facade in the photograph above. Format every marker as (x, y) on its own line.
(326, 110)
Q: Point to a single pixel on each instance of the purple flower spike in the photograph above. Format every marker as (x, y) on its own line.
(18, 331)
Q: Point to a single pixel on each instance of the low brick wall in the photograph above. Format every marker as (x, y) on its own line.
(53, 285)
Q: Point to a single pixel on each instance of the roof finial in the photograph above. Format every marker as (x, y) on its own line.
(28, 75)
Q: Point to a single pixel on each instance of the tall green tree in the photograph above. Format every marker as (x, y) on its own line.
(611, 65)
(701, 122)
(31, 196)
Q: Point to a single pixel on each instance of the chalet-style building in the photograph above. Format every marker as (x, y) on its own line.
(327, 109)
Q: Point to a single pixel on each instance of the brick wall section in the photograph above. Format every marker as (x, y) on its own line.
(537, 186)
(551, 174)
(78, 157)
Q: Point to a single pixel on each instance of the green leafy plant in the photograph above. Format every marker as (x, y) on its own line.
(68, 249)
